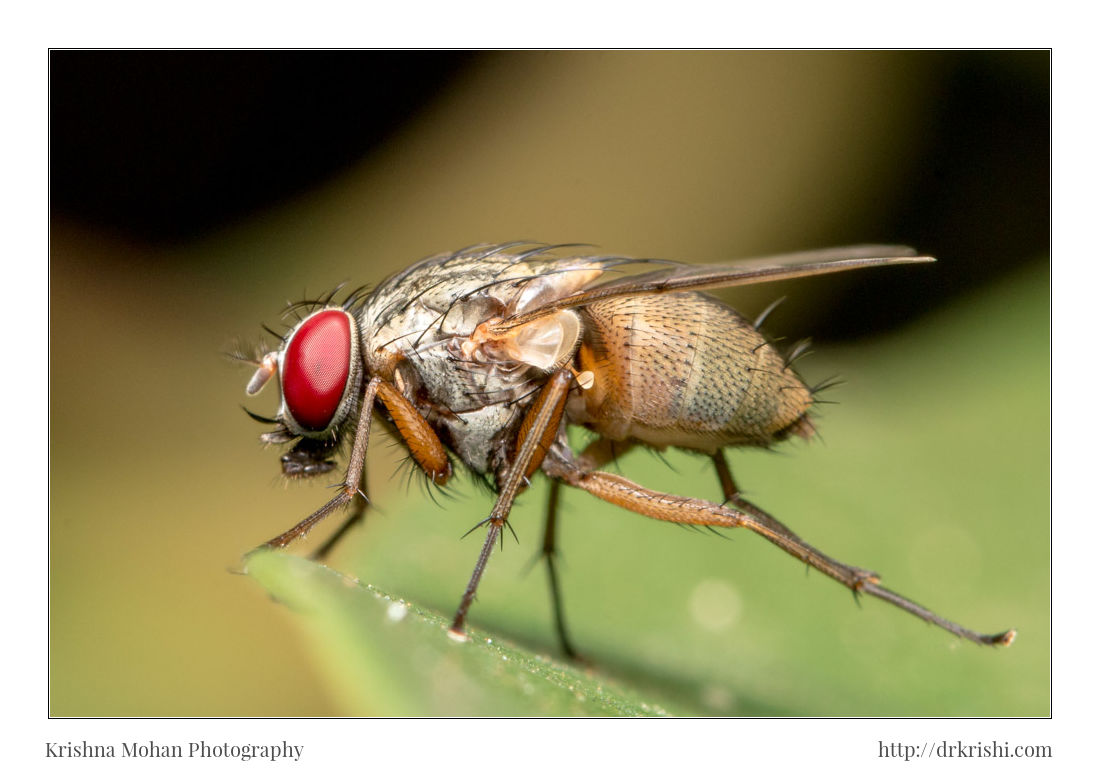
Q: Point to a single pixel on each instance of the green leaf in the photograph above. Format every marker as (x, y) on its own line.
(391, 657)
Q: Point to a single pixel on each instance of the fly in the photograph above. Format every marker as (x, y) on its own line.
(488, 354)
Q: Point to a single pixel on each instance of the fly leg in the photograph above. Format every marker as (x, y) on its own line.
(539, 429)
(356, 517)
(733, 497)
(350, 487)
(599, 453)
(550, 554)
(422, 442)
(685, 510)
(729, 486)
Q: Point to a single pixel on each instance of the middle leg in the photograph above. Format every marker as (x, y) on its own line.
(539, 429)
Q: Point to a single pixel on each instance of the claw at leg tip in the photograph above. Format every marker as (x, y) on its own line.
(458, 635)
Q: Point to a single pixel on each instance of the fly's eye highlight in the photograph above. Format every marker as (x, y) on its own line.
(320, 365)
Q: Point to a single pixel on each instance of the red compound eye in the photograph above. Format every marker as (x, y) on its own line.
(316, 369)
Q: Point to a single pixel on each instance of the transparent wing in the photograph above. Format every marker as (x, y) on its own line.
(681, 277)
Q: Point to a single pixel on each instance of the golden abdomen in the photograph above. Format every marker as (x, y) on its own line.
(686, 370)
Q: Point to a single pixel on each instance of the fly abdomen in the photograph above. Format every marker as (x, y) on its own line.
(686, 370)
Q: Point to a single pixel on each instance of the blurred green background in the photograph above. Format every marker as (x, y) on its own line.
(194, 193)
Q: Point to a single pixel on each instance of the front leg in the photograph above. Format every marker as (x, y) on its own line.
(350, 487)
(422, 442)
(362, 501)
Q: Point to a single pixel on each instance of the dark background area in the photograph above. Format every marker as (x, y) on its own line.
(170, 145)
